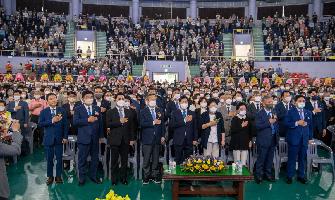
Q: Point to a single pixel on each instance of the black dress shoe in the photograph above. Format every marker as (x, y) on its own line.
(59, 180)
(124, 182)
(81, 183)
(270, 179)
(96, 180)
(50, 180)
(302, 180)
(289, 180)
(258, 180)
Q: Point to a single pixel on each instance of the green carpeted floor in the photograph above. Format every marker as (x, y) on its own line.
(27, 181)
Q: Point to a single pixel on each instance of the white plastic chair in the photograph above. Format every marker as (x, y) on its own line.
(314, 158)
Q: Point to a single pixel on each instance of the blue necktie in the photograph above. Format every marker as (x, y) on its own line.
(184, 114)
(301, 114)
(89, 111)
(272, 126)
(153, 114)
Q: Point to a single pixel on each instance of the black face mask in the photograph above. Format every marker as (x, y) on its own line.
(269, 106)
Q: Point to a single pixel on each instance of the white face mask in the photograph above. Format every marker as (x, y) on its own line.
(228, 101)
(239, 99)
(222, 100)
(258, 98)
(184, 106)
(213, 109)
(2, 108)
(176, 96)
(127, 104)
(152, 104)
(120, 103)
(275, 102)
(37, 96)
(16, 98)
(203, 104)
(108, 98)
(192, 107)
(215, 95)
(88, 102)
(301, 105)
(242, 113)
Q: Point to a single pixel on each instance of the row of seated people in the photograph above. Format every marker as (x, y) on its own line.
(308, 39)
(31, 33)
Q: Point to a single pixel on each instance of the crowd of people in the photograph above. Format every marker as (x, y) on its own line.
(31, 33)
(299, 36)
(207, 114)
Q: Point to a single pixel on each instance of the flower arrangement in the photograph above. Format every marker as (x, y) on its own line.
(199, 164)
(112, 196)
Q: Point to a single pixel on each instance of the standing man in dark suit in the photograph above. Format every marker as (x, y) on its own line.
(120, 137)
(314, 105)
(20, 111)
(299, 123)
(87, 118)
(172, 106)
(252, 110)
(69, 109)
(53, 120)
(153, 135)
(185, 131)
(282, 109)
(267, 139)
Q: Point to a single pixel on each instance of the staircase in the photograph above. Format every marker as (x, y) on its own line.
(194, 70)
(101, 41)
(137, 70)
(69, 41)
(228, 44)
(257, 36)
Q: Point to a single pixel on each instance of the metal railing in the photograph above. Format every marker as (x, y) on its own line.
(272, 58)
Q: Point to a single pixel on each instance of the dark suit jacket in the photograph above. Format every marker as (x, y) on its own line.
(319, 119)
(119, 131)
(87, 131)
(264, 130)
(22, 115)
(170, 107)
(151, 134)
(179, 128)
(251, 114)
(54, 133)
(281, 112)
(72, 129)
(206, 132)
(296, 133)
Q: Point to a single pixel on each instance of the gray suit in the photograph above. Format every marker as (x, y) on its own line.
(227, 120)
(8, 150)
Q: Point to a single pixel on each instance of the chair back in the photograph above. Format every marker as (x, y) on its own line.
(282, 148)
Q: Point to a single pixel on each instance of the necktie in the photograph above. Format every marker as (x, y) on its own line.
(228, 109)
(121, 113)
(153, 114)
(286, 106)
(315, 106)
(89, 111)
(184, 114)
(301, 114)
(53, 112)
(272, 126)
(257, 106)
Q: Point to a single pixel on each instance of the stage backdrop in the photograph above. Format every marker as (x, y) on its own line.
(314, 69)
(166, 66)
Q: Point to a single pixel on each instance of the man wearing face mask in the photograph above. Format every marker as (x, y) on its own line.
(299, 123)
(69, 109)
(20, 111)
(328, 104)
(122, 134)
(153, 135)
(314, 105)
(184, 129)
(282, 109)
(87, 118)
(172, 106)
(267, 139)
(227, 111)
(98, 94)
(252, 110)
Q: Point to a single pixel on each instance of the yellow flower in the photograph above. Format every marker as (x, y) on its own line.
(209, 161)
(204, 166)
(197, 167)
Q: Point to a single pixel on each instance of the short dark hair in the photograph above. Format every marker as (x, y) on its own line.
(212, 101)
(183, 97)
(119, 94)
(283, 92)
(17, 91)
(71, 93)
(49, 95)
(312, 90)
(298, 96)
(240, 104)
(86, 92)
